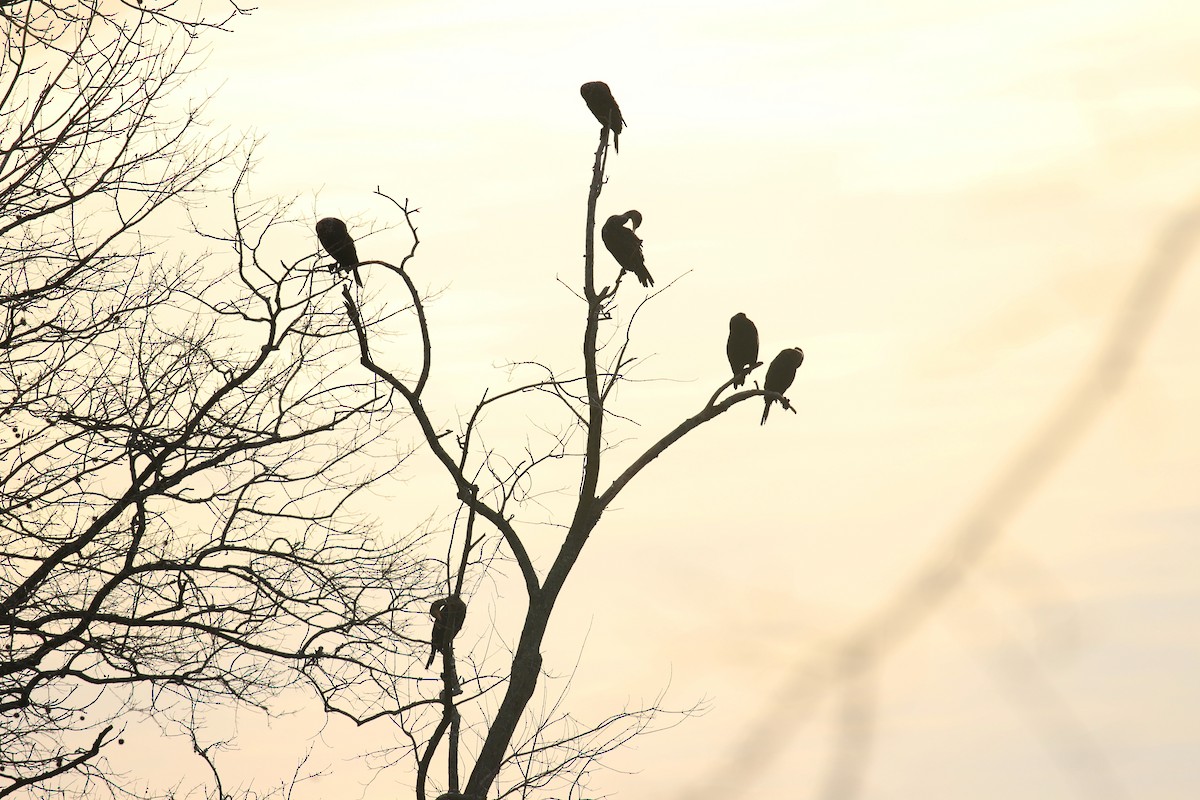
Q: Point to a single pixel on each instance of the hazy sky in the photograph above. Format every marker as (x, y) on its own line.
(945, 204)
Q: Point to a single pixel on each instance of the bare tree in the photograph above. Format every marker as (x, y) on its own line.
(514, 750)
(181, 439)
(185, 438)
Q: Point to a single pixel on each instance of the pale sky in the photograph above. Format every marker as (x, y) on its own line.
(944, 204)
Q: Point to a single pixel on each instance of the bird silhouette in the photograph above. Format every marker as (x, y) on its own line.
(625, 245)
(448, 614)
(742, 347)
(780, 375)
(336, 240)
(599, 99)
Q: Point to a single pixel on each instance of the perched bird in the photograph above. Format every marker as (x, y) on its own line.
(780, 375)
(337, 242)
(742, 347)
(599, 99)
(625, 245)
(448, 614)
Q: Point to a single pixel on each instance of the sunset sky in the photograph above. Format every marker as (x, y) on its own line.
(946, 204)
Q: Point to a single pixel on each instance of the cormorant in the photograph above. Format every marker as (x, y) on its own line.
(780, 375)
(337, 242)
(625, 245)
(742, 347)
(599, 99)
(448, 614)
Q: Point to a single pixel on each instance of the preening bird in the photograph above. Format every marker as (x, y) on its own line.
(599, 99)
(448, 614)
(742, 347)
(625, 245)
(780, 375)
(337, 242)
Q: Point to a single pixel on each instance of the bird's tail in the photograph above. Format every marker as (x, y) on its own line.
(357, 277)
(766, 410)
(432, 655)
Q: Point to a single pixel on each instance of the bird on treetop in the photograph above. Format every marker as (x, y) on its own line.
(448, 614)
(600, 100)
(625, 245)
(780, 375)
(335, 238)
(742, 347)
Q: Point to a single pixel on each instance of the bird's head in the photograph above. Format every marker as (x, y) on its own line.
(328, 225)
(635, 217)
